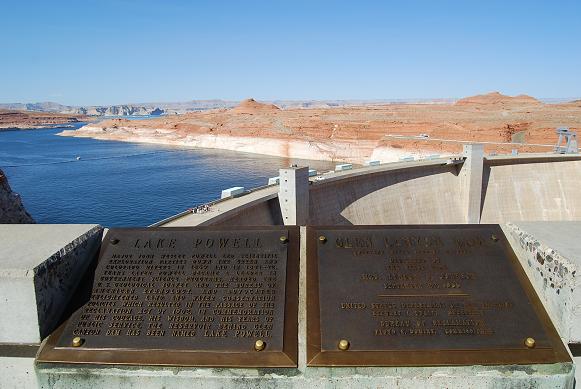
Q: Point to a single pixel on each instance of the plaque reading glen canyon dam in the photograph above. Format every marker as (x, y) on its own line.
(417, 296)
(188, 297)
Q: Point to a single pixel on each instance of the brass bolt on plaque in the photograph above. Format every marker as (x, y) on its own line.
(114, 240)
(322, 239)
(259, 345)
(494, 238)
(77, 342)
(283, 239)
(530, 342)
(343, 345)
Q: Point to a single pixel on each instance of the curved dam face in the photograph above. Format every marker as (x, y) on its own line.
(512, 189)
(469, 189)
(413, 195)
(531, 191)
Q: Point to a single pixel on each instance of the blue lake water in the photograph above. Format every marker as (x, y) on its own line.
(119, 183)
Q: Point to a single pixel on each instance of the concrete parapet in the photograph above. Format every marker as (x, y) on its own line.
(343, 166)
(232, 192)
(17, 372)
(528, 376)
(293, 195)
(40, 268)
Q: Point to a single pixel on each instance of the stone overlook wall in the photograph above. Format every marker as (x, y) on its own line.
(11, 209)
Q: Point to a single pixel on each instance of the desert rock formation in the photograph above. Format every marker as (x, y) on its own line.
(251, 106)
(384, 132)
(25, 119)
(496, 98)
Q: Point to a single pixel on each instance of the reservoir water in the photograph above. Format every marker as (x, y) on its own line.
(123, 184)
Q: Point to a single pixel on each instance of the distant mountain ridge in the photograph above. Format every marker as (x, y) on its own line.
(122, 109)
(196, 105)
(139, 109)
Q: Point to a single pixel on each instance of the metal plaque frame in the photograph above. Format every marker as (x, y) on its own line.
(53, 351)
(424, 354)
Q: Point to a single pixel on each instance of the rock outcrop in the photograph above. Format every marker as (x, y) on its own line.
(27, 119)
(11, 209)
(497, 98)
(251, 106)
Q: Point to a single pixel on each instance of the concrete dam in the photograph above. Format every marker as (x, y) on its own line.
(467, 188)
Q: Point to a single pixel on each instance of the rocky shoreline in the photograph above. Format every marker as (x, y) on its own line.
(12, 210)
(36, 120)
(324, 150)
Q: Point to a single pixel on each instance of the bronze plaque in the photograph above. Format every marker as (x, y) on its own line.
(422, 296)
(188, 297)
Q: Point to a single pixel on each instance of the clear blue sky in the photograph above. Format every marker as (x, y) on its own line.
(107, 52)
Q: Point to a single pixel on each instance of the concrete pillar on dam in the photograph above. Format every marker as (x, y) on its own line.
(471, 181)
(293, 195)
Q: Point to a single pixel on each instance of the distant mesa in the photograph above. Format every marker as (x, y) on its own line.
(253, 106)
(35, 119)
(497, 98)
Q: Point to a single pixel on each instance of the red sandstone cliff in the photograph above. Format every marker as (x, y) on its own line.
(356, 133)
(29, 119)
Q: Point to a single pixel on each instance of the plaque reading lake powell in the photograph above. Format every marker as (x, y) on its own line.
(422, 296)
(188, 297)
